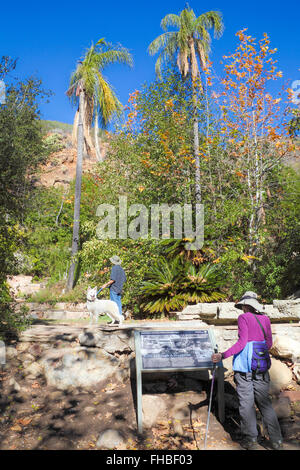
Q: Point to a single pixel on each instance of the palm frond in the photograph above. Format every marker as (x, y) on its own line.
(160, 42)
(212, 20)
(170, 20)
(108, 103)
(113, 56)
(167, 45)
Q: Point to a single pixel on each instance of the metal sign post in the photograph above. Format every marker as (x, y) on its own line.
(169, 350)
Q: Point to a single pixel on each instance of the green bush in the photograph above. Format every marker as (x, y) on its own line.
(11, 321)
(54, 143)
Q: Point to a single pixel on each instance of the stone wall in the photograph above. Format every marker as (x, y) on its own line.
(225, 313)
(81, 356)
(222, 313)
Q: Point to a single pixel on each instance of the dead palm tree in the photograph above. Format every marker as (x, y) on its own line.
(191, 46)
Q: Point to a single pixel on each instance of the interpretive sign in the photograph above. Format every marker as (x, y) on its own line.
(170, 350)
(178, 349)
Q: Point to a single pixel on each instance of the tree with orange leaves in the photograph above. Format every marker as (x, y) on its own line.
(256, 139)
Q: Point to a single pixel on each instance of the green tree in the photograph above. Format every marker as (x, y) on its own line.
(21, 150)
(189, 44)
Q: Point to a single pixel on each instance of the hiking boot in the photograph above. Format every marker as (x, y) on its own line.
(276, 445)
(249, 443)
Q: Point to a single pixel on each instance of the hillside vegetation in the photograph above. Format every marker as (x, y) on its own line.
(244, 172)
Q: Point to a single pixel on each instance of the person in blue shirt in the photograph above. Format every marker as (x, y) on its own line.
(116, 282)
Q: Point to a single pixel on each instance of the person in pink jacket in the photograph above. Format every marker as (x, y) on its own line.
(252, 387)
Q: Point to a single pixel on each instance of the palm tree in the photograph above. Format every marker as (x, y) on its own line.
(100, 99)
(79, 91)
(93, 94)
(189, 44)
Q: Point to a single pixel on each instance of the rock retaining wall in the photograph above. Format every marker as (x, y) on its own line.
(223, 313)
(75, 356)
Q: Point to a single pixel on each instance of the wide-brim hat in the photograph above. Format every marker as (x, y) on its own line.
(249, 298)
(115, 260)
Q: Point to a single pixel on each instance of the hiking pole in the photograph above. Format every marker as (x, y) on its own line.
(210, 397)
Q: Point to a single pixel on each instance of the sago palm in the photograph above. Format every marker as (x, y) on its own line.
(171, 285)
(202, 284)
(100, 100)
(190, 45)
(159, 290)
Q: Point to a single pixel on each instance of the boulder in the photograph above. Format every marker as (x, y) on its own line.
(80, 367)
(110, 439)
(227, 312)
(272, 312)
(193, 310)
(282, 407)
(116, 343)
(89, 338)
(285, 347)
(290, 309)
(153, 409)
(10, 352)
(34, 370)
(280, 376)
(14, 387)
(201, 310)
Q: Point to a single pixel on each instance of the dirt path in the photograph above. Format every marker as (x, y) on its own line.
(40, 417)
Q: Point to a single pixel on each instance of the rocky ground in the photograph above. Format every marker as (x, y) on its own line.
(35, 415)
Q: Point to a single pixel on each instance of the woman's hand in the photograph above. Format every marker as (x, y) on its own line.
(216, 357)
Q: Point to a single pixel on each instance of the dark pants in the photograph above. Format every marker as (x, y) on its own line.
(253, 390)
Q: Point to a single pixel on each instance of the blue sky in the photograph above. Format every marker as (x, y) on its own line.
(48, 38)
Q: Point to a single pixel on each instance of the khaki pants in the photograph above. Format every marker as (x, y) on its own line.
(251, 390)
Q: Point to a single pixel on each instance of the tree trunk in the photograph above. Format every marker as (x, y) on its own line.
(196, 145)
(76, 221)
(86, 119)
(97, 147)
(88, 143)
(75, 128)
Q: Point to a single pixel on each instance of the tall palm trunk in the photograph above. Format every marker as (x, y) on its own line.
(87, 122)
(194, 74)
(88, 143)
(75, 128)
(76, 221)
(196, 144)
(97, 147)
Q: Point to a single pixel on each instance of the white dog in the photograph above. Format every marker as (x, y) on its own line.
(98, 307)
